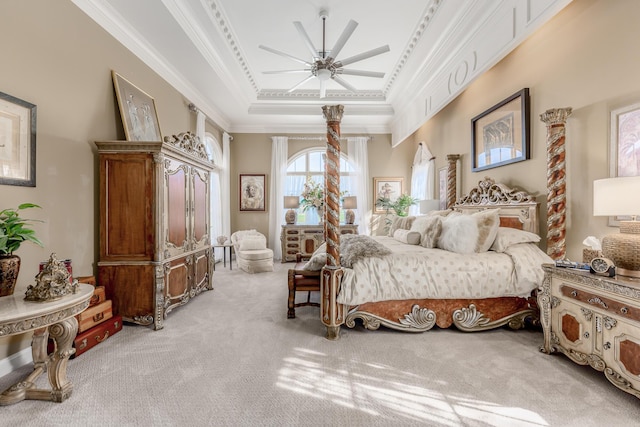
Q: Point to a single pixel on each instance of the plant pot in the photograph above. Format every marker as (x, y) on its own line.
(9, 269)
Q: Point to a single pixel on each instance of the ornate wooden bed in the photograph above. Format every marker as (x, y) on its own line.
(517, 210)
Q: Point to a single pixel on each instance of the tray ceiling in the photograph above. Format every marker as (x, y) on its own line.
(208, 50)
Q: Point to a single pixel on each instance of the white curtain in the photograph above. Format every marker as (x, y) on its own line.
(276, 199)
(225, 185)
(200, 117)
(422, 177)
(359, 158)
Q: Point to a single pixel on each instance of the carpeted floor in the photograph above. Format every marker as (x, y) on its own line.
(232, 358)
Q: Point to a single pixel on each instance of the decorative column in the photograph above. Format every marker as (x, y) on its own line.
(332, 313)
(452, 179)
(555, 120)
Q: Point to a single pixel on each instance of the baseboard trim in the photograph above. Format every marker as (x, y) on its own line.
(15, 361)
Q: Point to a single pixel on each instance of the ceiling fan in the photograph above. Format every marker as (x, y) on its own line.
(324, 65)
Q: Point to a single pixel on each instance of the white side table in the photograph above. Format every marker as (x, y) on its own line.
(55, 319)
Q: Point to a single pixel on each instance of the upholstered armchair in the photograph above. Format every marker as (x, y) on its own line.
(252, 254)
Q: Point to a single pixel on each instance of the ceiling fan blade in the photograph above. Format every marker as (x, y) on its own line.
(323, 89)
(344, 84)
(306, 39)
(286, 55)
(301, 83)
(348, 30)
(360, 73)
(363, 55)
(308, 70)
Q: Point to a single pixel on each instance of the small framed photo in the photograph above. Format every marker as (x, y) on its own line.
(252, 192)
(500, 135)
(17, 141)
(138, 111)
(386, 188)
(442, 186)
(624, 148)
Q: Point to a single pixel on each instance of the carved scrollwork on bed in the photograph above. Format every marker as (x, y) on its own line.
(518, 209)
(418, 320)
(488, 192)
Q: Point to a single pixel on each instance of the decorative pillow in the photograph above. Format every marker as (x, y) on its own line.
(318, 259)
(459, 234)
(430, 228)
(354, 247)
(401, 223)
(506, 237)
(407, 236)
(252, 243)
(488, 224)
(444, 212)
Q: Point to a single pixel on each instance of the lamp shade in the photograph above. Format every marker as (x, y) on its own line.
(291, 202)
(429, 205)
(616, 196)
(350, 202)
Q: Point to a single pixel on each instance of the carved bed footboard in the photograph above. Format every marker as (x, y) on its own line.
(469, 315)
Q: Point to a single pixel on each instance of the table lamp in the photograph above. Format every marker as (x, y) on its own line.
(619, 196)
(429, 205)
(291, 203)
(350, 202)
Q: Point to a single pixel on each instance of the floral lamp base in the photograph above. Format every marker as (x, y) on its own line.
(349, 216)
(290, 216)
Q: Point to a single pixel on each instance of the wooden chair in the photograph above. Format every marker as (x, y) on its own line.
(301, 280)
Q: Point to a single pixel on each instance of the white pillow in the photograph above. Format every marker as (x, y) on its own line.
(407, 236)
(401, 223)
(506, 237)
(252, 243)
(430, 228)
(318, 259)
(459, 234)
(488, 223)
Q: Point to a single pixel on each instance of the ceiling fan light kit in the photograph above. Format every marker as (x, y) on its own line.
(324, 65)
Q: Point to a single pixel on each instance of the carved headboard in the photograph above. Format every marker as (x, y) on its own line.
(518, 209)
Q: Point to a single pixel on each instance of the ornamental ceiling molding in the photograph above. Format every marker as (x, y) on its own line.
(220, 19)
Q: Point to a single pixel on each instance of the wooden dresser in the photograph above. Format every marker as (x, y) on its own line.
(305, 239)
(155, 251)
(593, 320)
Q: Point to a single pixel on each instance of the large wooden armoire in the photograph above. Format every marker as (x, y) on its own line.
(155, 251)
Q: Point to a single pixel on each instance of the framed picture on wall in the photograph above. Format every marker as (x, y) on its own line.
(624, 146)
(500, 135)
(17, 141)
(138, 111)
(386, 188)
(252, 192)
(442, 186)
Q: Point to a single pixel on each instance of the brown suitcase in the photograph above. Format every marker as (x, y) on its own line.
(96, 335)
(94, 315)
(99, 296)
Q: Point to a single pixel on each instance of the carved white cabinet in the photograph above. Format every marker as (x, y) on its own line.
(155, 251)
(305, 239)
(594, 321)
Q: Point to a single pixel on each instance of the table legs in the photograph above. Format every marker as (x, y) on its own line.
(55, 365)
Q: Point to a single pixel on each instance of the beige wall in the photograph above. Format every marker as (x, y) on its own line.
(54, 56)
(585, 58)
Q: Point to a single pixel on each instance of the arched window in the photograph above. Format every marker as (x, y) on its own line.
(309, 164)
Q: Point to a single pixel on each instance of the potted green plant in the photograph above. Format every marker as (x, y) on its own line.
(13, 231)
(400, 206)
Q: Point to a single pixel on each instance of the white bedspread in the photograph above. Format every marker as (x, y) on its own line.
(412, 271)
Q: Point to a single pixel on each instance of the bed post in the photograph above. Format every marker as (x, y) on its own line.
(332, 313)
(555, 120)
(452, 179)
